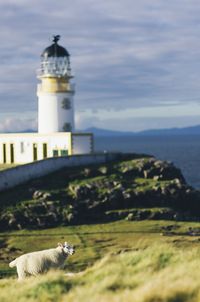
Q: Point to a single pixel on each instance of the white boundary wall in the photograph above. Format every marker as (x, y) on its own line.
(15, 176)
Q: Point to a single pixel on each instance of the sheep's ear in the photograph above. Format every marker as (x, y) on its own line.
(60, 244)
(65, 243)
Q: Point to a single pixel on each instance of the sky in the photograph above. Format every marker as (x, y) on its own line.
(136, 63)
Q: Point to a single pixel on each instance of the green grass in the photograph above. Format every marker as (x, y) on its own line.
(131, 164)
(144, 185)
(121, 261)
(92, 241)
(58, 182)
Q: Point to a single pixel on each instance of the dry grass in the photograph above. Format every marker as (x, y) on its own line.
(158, 273)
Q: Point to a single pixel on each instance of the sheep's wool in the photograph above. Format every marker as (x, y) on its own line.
(39, 262)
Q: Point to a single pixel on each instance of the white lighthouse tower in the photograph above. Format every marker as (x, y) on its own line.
(55, 92)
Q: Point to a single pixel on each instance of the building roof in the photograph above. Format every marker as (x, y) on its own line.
(55, 50)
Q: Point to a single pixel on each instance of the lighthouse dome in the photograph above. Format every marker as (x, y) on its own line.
(55, 50)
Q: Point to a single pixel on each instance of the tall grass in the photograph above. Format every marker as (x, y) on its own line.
(158, 273)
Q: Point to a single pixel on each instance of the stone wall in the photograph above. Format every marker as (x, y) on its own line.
(15, 176)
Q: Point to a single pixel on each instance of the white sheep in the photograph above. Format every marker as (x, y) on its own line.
(39, 262)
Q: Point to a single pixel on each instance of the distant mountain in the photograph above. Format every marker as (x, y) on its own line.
(22, 131)
(105, 132)
(194, 130)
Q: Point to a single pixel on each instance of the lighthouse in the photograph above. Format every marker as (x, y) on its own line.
(55, 92)
(56, 136)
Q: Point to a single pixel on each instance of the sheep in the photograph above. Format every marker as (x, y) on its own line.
(41, 261)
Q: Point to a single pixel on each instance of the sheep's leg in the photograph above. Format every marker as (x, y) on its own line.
(21, 273)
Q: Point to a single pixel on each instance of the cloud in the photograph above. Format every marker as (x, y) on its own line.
(11, 124)
(125, 54)
(136, 124)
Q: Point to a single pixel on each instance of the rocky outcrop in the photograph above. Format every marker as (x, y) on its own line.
(132, 189)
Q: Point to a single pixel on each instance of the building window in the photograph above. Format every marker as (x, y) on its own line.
(12, 153)
(44, 148)
(66, 104)
(4, 153)
(67, 127)
(55, 153)
(35, 157)
(22, 147)
(64, 152)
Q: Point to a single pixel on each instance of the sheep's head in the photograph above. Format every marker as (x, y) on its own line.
(67, 248)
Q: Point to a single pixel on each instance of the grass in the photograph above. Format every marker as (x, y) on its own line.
(120, 261)
(143, 185)
(58, 182)
(92, 241)
(131, 164)
(159, 272)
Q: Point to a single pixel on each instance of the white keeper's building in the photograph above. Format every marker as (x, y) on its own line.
(56, 134)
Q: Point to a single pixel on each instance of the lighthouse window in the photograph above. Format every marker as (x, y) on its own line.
(66, 104)
(67, 127)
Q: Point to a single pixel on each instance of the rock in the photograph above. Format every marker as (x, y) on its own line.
(50, 219)
(162, 214)
(178, 217)
(119, 187)
(173, 191)
(87, 172)
(126, 194)
(130, 217)
(19, 227)
(90, 186)
(49, 205)
(12, 222)
(157, 189)
(159, 163)
(41, 195)
(46, 196)
(103, 170)
(70, 217)
(37, 194)
(83, 191)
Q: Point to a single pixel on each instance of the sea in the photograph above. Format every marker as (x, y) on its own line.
(183, 151)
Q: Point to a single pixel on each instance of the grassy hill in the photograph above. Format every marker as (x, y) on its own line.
(132, 223)
(119, 261)
(135, 187)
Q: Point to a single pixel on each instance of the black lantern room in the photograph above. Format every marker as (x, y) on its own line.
(55, 60)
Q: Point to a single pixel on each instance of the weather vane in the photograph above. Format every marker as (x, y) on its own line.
(56, 38)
